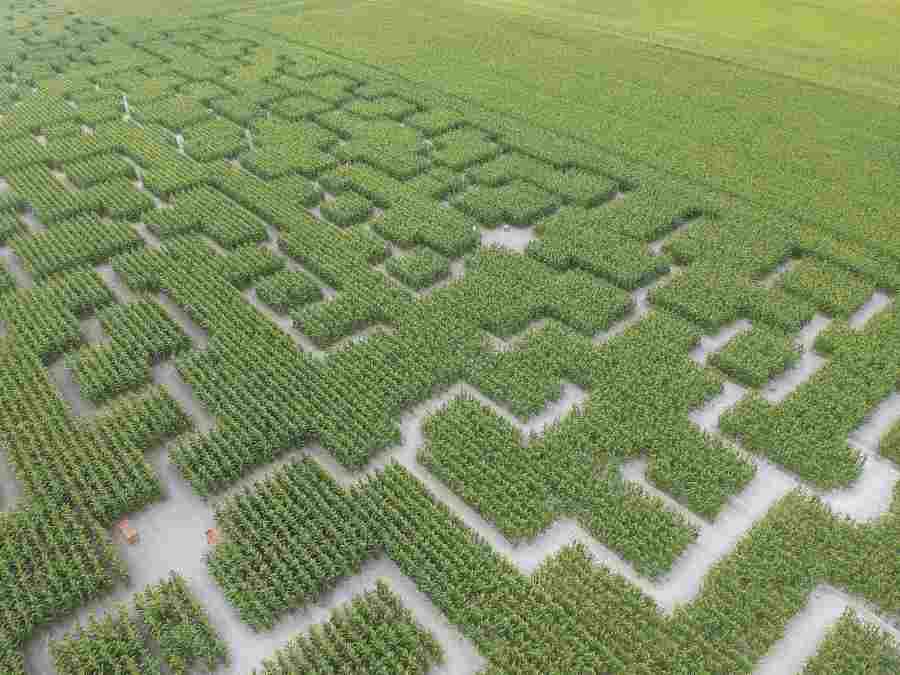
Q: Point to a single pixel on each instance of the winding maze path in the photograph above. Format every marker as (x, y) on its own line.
(580, 415)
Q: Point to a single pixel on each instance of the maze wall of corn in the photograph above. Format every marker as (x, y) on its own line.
(307, 369)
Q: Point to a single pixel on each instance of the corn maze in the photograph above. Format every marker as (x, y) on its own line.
(460, 394)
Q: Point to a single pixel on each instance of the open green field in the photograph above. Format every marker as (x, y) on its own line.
(496, 338)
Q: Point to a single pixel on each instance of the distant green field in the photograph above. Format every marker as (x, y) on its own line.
(789, 104)
(846, 45)
(704, 91)
(164, 9)
(785, 103)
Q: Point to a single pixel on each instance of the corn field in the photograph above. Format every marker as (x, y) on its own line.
(208, 217)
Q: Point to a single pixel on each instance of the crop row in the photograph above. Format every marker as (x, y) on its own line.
(492, 603)
(252, 425)
(7, 283)
(363, 303)
(729, 257)
(409, 219)
(140, 334)
(833, 290)
(22, 152)
(176, 113)
(372, 133)
(301, 509)
(558, 620)
(61, 130)
(388, 106)
(419, 268)
(401, 369)
(396, 150)
(890, 444)
(214, 139)
(141, 88)
(61, 143)
(332, 87)
(205, 91)
(807, 432)
(518, 203)
(252, 372)
(574, 185)
(52, 560)
(575, 237)
(347, 208)
(98, 169)
(735, 296)
(670, 468)
(180, 625)
(97, 111)
(523, 291)
(240, 110)
(852, 646)
(645, 363)
(464, 147)
(304, 136)
(288, 290)
(251, 386)
(52, 202)
(165, 171)
(373, 633)
(100, 467)
(206, 210)
(279, 201)
(295, 156)
(110, 644)
(246, 264)
(43, 320)
(756, 356)
(85, 240)
(524, 489)
(750, 596)
(9, 224)
(300, 107)
(34, 112)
